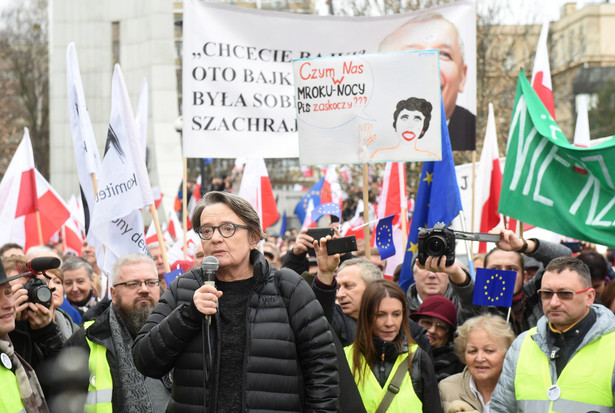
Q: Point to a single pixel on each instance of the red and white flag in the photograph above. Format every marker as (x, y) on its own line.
(72, 237)
(331, 189)
(157, 196)
(256, 189)
(151, 236)
(393, 201)
(541, 73)
(174, 227)
(23, 193)
(490, 177)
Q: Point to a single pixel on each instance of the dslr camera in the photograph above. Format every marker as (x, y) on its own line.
(436, 242)
(440, 240)
(38, 291)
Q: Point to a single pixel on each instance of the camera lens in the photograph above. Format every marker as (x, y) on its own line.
(43, 294)
(435, 246)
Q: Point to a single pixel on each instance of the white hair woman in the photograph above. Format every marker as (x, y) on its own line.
(481, 343)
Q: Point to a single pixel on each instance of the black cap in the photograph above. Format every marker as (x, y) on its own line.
(4, 279)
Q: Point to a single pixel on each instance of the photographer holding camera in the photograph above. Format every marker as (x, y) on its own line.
(35, 337)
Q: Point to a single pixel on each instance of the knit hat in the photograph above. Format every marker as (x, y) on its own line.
(439, 307)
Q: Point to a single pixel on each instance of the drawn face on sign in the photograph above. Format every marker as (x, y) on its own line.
(411, 118)
(410, 124)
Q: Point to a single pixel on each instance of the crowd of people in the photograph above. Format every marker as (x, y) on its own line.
(301, 330)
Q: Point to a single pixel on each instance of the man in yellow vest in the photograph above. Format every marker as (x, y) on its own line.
(20, 390)
(566, 363)
(115, 385)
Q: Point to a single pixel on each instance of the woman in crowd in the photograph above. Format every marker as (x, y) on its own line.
(438, 315)
(65, 324)
(481, 343)
(384, 353)
(256, 341)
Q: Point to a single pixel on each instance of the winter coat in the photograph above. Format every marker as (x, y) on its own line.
(290, 360)
(456, 388)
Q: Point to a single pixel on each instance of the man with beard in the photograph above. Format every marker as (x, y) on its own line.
(115, 384)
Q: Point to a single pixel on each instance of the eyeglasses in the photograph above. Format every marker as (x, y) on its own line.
(562, 295)
(428, 324)
(133, 285)
(227, 230)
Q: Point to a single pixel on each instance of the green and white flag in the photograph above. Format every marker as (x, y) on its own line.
(553, 184)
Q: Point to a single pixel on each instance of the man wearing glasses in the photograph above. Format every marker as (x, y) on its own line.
(115, 384)
(566, 363)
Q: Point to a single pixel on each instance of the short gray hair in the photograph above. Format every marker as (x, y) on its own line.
(495, 326)
(367, 269)
(237, 204)
(130, 259)
(74, 263)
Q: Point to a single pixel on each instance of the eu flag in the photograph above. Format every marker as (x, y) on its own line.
(330, 208)
(283, 225)
(437, 200)
(494, 287)
(314, 195)
(384, 237)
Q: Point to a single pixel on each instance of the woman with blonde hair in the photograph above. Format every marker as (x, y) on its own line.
(384, 355)
(481, 343)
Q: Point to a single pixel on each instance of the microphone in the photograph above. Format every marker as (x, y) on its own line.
(209, 267)
(40, 264)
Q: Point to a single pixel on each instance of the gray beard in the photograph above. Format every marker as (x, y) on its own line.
(136, 318)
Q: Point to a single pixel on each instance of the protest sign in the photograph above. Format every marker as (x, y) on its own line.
(367, 109)
(237, 82)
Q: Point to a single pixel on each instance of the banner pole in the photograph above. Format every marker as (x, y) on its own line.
(404, 205)
(163, 248)
(185, 207)
(366, 234)
(39, 227)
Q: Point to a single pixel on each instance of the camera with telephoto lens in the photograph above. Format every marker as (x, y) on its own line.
(38, 291)
(436, 242)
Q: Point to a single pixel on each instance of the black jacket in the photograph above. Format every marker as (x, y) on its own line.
(100, 333)
(289, 362)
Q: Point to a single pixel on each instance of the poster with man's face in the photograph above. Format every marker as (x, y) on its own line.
(238, 90)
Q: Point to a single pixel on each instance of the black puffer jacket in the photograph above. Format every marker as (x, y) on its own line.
(290, 360)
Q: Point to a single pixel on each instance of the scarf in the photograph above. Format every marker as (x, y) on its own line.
(132, 389)
(30, 390)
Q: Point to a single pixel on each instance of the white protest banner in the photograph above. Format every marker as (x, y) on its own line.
(364, 109)
(238, 92)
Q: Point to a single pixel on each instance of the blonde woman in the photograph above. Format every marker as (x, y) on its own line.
(481, 343)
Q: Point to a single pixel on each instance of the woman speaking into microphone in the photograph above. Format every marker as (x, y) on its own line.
(257, 340)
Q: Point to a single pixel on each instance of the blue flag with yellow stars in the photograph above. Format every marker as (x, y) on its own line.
(314, 195)
(494, 287)
(437, 200)
(384, 237)
(330, 208)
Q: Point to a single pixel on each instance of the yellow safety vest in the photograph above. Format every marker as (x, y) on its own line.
(371, 393)
(100, 389)
(583, 386)
(10, 400)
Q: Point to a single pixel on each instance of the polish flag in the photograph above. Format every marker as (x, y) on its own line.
(157, 196)
(490, 174)
(331, 189)
(72, 237)
(151, 236)
(541, 73)
(23, 193)
(256, 189)
(175, 227)
(393, 201)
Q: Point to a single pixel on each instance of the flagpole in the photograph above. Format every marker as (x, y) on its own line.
(366, 235)
(185, 207)
(404, 205)
(39, 227)
(473, 194)
(163, 248)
